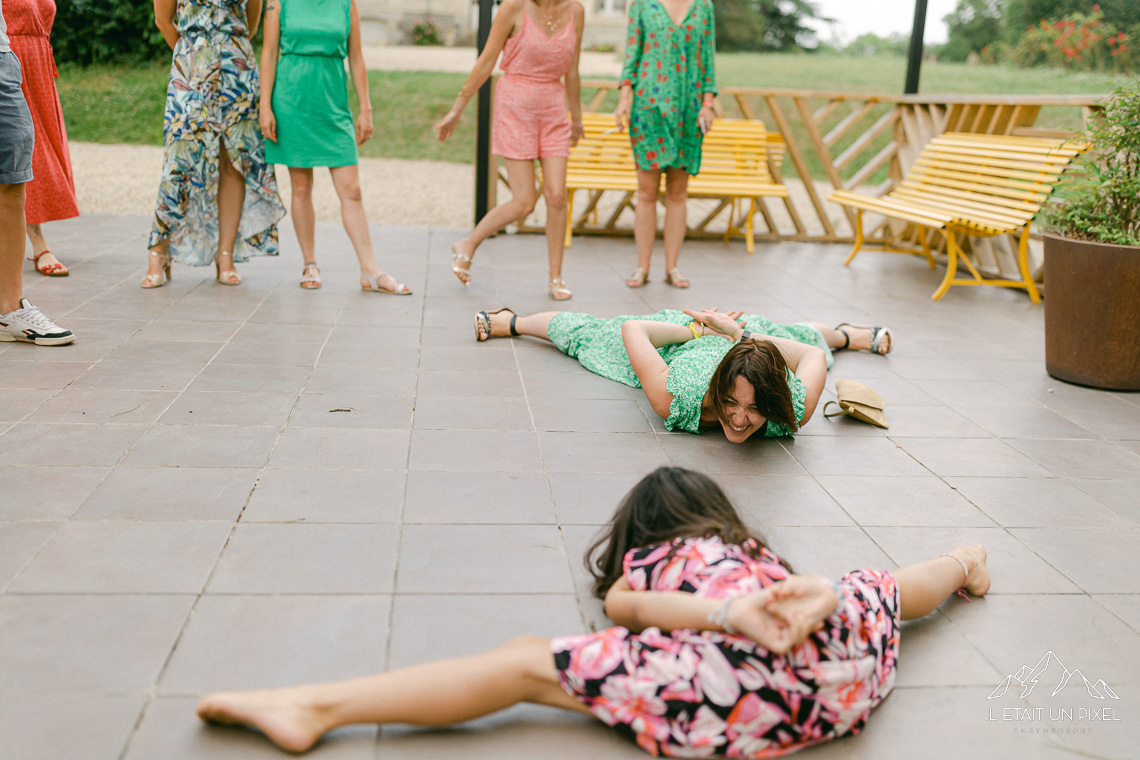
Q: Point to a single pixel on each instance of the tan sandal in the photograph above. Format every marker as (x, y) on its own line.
(374, 286)
(49, 270)
(676, 279)
(483, 324)
(230, 276)
(559, 291)
(637, 279)
(458, 258)
(156, 280)
(311, 276)
(877, 335)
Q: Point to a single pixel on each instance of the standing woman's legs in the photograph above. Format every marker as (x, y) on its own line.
(433, 694)
(645, 221)
(554, 193)
(346, 180)
(520, 178)
(231, 196)
(676, 210)
(11, 245)
(301, 207)
(39, 243)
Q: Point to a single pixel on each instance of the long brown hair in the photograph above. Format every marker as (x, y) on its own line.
(762, 365)
(667, 504)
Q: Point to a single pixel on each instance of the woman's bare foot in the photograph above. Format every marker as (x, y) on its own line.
(977, 575)
(283, 715)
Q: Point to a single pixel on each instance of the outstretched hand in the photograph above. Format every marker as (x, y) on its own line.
(445, 126)
(725, 325)
(784, 614)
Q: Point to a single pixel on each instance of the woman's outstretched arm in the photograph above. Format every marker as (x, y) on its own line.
(642, 338)
(500, 30)
(359, 77)
(271, 41)
(164, 11)
(573, 83)
(252, 16)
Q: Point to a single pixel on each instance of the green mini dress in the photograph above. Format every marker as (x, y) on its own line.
(310, 93)
(597, 345)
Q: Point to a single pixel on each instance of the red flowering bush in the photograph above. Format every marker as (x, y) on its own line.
(1081, 41)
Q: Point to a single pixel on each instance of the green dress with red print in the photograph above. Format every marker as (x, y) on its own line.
(670, 68)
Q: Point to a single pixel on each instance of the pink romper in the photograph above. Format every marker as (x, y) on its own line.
(530, 119)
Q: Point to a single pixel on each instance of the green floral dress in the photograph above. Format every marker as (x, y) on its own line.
(670, 68)
(597, 345)
(212, 96)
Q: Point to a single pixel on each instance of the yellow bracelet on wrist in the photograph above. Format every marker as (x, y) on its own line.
(693, 329)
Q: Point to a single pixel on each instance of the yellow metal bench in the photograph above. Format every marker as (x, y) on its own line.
(734, 170)
(981, 185)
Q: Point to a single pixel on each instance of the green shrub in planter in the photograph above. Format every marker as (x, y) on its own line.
(1101, 203)
(1092, 257)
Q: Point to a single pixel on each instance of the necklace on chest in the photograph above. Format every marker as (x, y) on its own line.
(550, 13)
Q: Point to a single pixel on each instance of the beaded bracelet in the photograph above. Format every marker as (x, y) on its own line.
(719, 616)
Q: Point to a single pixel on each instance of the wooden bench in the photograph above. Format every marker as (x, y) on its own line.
(734, 171)
(981, 185)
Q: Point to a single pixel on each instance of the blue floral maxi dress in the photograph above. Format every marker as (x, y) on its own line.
(213, 96)
(670, 68)
(597, 345)
(702, 693)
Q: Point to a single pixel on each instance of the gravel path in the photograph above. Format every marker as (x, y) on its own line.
(123, 180)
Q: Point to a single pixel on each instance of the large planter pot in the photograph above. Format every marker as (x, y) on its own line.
(1092, 313)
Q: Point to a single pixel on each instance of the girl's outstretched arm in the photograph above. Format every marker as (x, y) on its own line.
(500, 30)
(778, 617)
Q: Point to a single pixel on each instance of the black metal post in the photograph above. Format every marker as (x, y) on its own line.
(914, 57)
(483, 121)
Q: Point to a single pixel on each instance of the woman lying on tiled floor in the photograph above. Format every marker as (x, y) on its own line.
(753, 376)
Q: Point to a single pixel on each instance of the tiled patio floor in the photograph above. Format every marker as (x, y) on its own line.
(186, 507)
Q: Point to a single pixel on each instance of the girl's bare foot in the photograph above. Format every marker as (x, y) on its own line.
(283, 715)
(977, 575)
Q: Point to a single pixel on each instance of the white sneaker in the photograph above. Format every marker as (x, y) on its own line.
(29, 324)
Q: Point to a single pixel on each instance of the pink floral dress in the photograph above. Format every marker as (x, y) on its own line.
(701, 693)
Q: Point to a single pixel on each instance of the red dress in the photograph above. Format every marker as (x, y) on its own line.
(51, 195)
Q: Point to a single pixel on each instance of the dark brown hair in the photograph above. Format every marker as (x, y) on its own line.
(667, 504)
(762, 365)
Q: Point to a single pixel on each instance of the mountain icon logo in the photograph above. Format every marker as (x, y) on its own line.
(1049, 670)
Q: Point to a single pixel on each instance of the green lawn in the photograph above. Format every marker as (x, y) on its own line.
(124, 105)
(107, 104)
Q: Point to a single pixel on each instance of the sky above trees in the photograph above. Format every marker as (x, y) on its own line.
(882, 17)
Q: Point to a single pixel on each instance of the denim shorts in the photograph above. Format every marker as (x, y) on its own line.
(17, 135)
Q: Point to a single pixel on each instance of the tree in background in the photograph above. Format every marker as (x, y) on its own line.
(871, 44)
(738, 25)
(975, 25)
(767, 25)
(106, 31)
